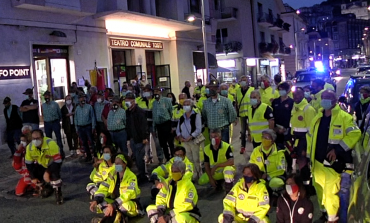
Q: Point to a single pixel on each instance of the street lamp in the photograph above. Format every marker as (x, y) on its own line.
(192, 18)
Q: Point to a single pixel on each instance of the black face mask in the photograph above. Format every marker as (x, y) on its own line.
(115, 107)
(212, 92)
(7, 106)
(47, 99)
(248, 179)
(83, 102)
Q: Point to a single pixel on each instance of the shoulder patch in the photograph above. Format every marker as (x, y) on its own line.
(241, 196)
(266, 197)
(132, 184)
(191, 194)
(310, 215)
(300, 210)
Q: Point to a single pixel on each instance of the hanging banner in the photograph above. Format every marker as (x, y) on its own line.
(21, 72)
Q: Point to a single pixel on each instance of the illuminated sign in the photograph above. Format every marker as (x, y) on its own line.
(251, 62)
(128, 43)
(264, 62)
(226, 63)
(7, 73)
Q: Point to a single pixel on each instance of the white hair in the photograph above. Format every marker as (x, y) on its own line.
(180, 165)
(26, 127)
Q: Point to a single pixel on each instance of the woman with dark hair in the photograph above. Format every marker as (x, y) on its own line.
(172, 97)
(249, 195)
(101, 171)
(294, 205)
(68, 125)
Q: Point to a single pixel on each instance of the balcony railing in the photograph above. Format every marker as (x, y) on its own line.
(265, 19)
(228, 13)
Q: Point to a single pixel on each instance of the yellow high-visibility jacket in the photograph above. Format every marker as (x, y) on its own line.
(274, 165)
(48, 154)
(243, 102)
(241, 202)
(164, 170)
(257, 122)
(316, 100)
(343, 131)
(129, 189)
(186, 197)
(221, 153)
(302, 115)
(267, 94)
(101, 173)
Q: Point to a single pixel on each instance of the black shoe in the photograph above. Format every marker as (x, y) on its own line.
(58, 195)
(46, 191)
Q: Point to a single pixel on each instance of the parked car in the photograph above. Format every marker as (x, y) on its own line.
(362, 69)
(305, 78)
(351, 92)
(359, 204)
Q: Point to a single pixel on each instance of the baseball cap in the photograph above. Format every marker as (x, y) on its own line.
(6, 100)
(28, 91)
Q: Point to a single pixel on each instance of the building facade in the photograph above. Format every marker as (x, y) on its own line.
(359, 8)
(49, 44)
(249, 37)
(297, 40)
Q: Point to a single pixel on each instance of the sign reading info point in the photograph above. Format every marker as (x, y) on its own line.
(21, 72)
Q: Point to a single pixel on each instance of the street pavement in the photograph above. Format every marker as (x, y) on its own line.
(75, 175)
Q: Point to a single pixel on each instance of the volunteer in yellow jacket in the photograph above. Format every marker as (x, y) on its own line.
(267, 92)
(317, 87)
(302, 115)
(118, 197)
(44, 161)
(332, 136)
(270, 160)
(218, 162)
(199, 90)
(101, 172)
(177, 200)
(260, 117)
(248, 200)
(163, 172)
(243, 103)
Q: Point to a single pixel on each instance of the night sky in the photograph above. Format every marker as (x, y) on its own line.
(301, 3)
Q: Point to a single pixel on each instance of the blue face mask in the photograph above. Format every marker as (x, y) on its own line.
(254, 101)
(207, 90)
(106, 156)
(282, 93)
(177, 158)
(124, 93)
(326, 104)
(243, 83)
(73, 94)
(307, 94)
(224, 92)
(248, 179)
(119, 168)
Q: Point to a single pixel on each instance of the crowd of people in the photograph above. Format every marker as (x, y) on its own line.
(302, 143)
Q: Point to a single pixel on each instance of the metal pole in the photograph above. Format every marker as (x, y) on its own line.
(205, 40)
(314, 48)
(296, 51)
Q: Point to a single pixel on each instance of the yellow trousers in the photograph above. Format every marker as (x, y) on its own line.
(327, 185)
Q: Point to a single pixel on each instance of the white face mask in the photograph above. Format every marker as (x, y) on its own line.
(213, 141)
(99, 100)
(102, 140)
(23, 143)
(146, 94)
(187, 108)
(199, 84)
(36, 142)
(128, 104)
(214, 100)
(263, 85)
(68, 102)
